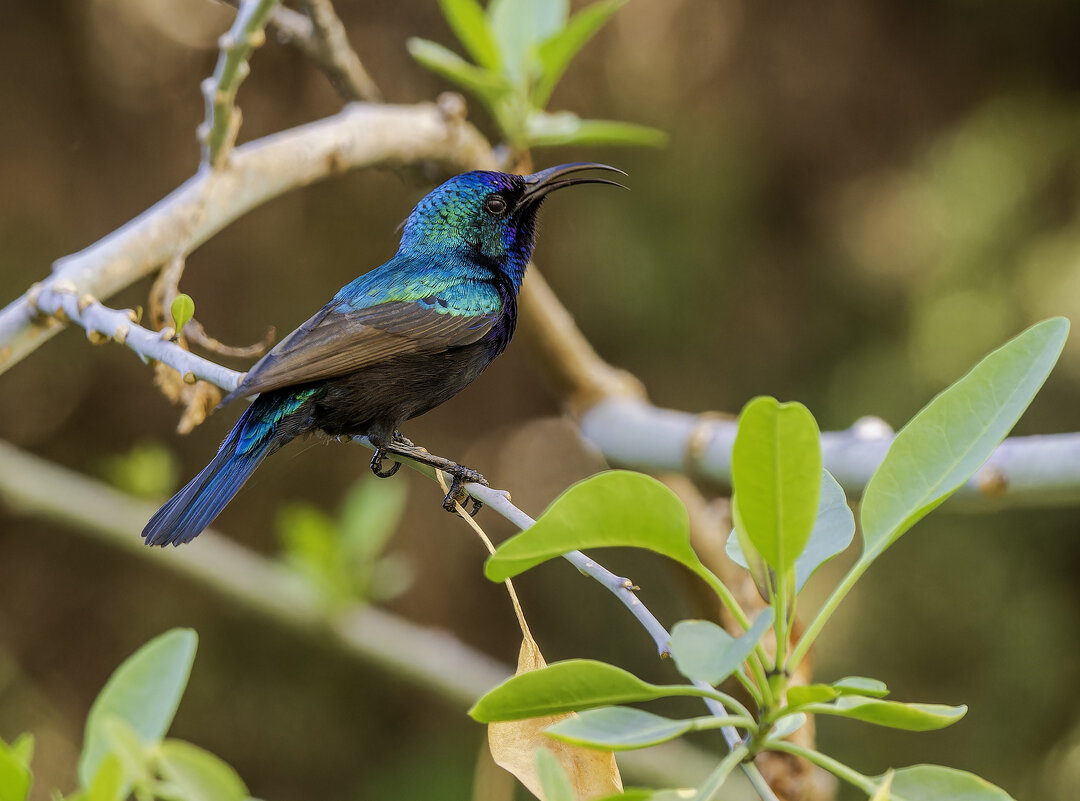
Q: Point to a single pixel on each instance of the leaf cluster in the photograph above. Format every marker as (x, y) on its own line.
(790, 517)
(520, 49)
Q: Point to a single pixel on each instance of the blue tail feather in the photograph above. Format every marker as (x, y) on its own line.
(196, 506)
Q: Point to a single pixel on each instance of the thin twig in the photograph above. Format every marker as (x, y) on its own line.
(330, 51)
(329, 47)
(218, 132)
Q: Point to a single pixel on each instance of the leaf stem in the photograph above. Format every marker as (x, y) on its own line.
(835, 767)
(713, 784)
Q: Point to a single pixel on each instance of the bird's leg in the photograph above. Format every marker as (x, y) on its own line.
(460, 474)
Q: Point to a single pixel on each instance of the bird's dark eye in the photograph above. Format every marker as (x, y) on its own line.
(495, 205)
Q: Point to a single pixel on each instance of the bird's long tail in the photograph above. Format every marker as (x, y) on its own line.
(260, 431)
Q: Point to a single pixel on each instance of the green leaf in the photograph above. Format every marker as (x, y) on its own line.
(860, 685)
(553, 779)
(519, 26)
(183, 309)
(200, 775)
(557, 51)
(936, 783)
(811, 694)
(616, 508)
(488, 86)
(23, 748)
(470, 25)
(834, 528)
(618, 728)
(110, 782)
(143, 692)
(787, 726)
(910, 717)
(753, 561)
(705, 652)
(15, 776)
(570, 686)
(543, 129)
(776, 476)
(955, 434)
(133, 755)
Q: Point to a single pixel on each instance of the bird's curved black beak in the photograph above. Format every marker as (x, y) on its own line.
(539, 184)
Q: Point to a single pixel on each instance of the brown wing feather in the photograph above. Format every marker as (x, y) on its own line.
(334, 343)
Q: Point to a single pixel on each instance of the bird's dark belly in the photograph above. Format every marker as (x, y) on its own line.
(376, 400)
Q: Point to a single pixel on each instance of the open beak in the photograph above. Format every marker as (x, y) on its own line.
(541, 183)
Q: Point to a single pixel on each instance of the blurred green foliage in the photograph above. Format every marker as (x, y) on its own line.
(343, 558)
(125, 751)
(148, 470)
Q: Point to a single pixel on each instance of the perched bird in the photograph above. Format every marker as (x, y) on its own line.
(392, 344)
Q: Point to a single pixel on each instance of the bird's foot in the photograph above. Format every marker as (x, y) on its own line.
(457, 494)
(402, 439)
(377, 464)
(460, 475)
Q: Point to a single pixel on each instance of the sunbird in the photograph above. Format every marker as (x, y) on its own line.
(392, 344)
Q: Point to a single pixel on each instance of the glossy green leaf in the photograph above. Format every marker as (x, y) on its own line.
(143, 692)
(705, 652)
(616, 508)
(488, 86)
(569, 686)
(860, 685)
(895, 715)
(519, 26)
(787, 726)
(553, 779)
(543, 129)
(15, 776)
(811, 694)
(200, 775)
(936, 783)
(183, 309)
(955, 434)
(557, 51)
(834, 528)
(618, 728)
(469, 23)
(776, 476)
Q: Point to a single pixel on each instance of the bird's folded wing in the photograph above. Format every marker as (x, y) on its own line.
(336, 342)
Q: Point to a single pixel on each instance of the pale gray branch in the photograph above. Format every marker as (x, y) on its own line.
(1034, 471)
(361, 135)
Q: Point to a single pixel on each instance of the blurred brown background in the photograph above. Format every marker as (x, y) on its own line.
(857, 201)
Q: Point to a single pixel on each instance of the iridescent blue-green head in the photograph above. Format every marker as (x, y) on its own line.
(489, 217)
